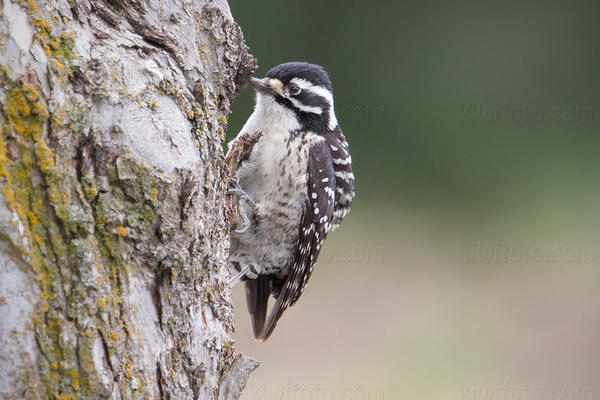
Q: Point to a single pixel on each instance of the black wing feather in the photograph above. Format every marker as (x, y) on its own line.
(344, 177)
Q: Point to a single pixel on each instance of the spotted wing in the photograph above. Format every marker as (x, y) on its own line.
(316, 222)
(344, 177)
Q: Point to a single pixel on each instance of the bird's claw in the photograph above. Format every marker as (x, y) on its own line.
(245, 221)
(245, 224)
(242, 195)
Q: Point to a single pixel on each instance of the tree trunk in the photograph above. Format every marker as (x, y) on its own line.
(113, 228)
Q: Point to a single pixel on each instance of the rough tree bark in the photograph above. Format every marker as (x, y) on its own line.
(113, 228)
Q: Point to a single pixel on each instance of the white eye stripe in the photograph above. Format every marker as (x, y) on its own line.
(314, 89)
(319, 91)
(305, 108)
(301, 83)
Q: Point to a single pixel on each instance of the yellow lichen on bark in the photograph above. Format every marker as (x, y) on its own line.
(29, 159)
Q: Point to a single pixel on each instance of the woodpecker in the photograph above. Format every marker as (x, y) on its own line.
(296, 186)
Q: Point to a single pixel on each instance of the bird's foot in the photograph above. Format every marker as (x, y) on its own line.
(242, 197)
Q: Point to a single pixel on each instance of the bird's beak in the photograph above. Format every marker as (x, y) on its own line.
(264, 86)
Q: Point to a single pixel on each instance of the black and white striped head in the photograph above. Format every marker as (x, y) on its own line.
(302, 88)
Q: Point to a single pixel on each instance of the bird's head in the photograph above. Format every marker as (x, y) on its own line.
(298, 90)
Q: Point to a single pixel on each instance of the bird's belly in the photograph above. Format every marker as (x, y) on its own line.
(276, 181)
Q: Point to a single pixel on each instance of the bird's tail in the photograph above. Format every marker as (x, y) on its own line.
(257, 296)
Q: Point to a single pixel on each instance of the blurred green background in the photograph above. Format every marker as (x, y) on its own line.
(469, 266)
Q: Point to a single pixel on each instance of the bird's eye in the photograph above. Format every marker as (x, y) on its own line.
(294, 90)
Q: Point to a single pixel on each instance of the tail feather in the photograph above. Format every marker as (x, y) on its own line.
(257, 296)
(274, 315)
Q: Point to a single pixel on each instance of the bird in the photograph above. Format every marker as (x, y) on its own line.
(295, 186)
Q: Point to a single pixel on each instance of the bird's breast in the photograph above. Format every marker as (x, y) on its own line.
(275, 170)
